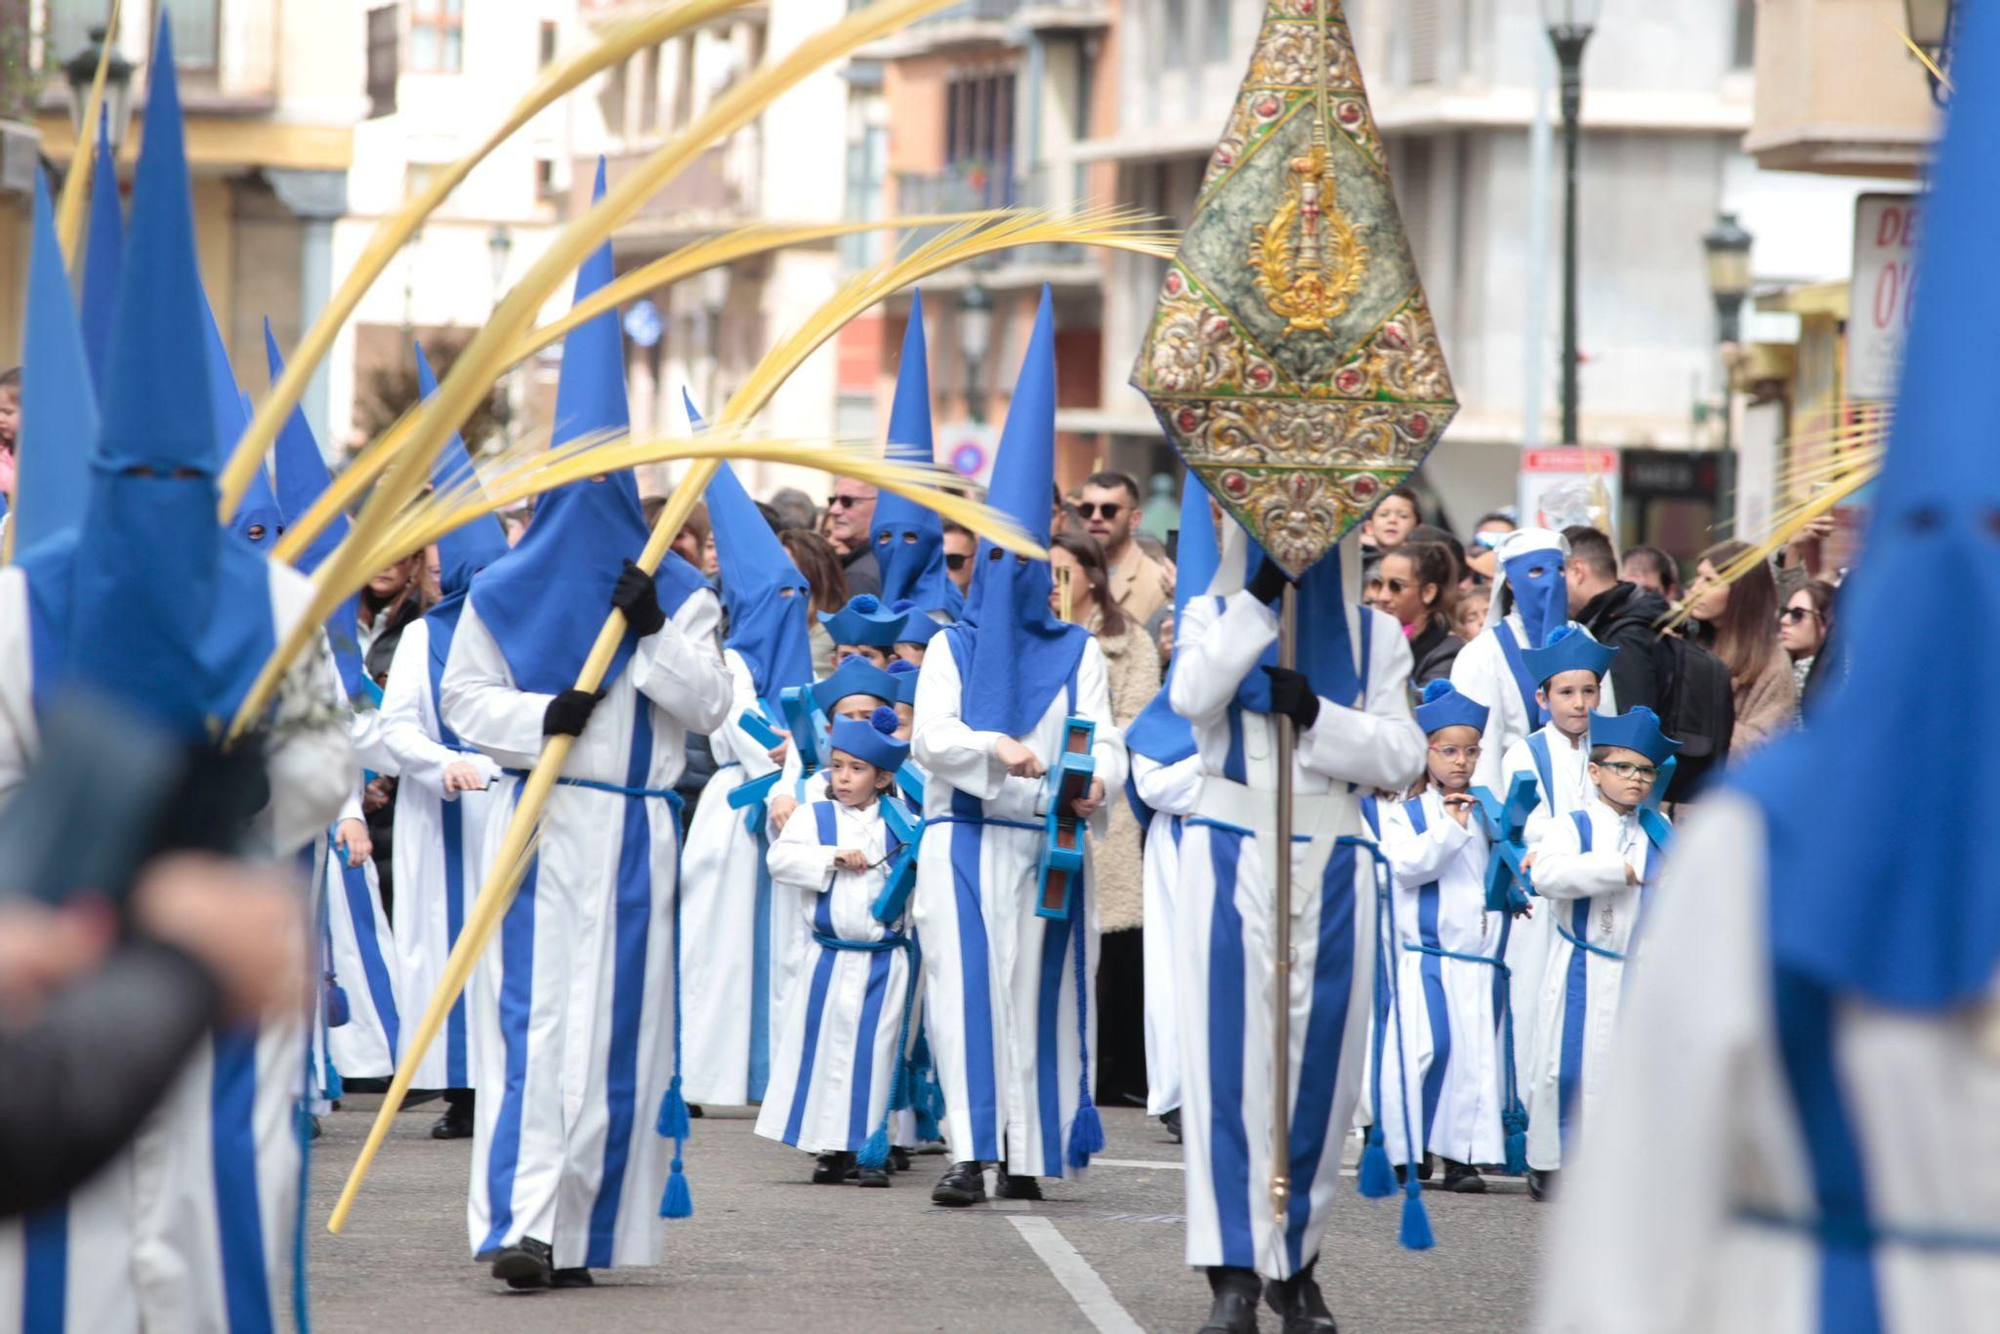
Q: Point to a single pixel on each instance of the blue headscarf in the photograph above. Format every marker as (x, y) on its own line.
(301, 479)
(151, 602)
(909, 539)
(546, 600)
(462, 553)
(1880, 852)
(1014, 656)
(59, 421)
(766, 596)
(103, 261)
(1158, 732)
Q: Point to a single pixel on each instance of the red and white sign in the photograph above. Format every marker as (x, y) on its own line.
(1886, 230)
(1561, 486)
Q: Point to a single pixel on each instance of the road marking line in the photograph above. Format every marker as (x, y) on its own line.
(1166, 1164)
(1071, 1270)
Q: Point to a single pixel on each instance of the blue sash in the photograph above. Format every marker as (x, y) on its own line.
(1510, 649)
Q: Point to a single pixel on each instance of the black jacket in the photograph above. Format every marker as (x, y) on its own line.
(1432, 652)
(1626, 616)
(864, 572)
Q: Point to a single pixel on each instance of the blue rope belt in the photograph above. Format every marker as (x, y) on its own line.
(666, 793)
(1227, 827)
(1856, 1230)
(1599, 950)
(881, 946)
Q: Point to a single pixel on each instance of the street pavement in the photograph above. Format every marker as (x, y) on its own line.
(766, 1250)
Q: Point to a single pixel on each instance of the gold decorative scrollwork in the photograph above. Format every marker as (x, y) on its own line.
(1305, 274)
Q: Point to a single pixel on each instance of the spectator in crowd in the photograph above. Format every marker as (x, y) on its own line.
(795, 508)
(1803, 626)
(1460, 572)
(1738, 622)
(1389, 526)
(514, 523)
(1108, 506)
(1134, 671)
(10, 426)
(1486, 535)
(850, 527)
(1619, 613)
(693, 538)
(959, 544)
(1652, 569)
(392, 599)
(1414, 584)
(1468, 617)
(827, 584)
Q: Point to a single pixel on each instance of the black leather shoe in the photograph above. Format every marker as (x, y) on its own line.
(1462, 1178)
(1424, 1168)
(1234, 1309)
(899, 1159)
(454, 1124)
(524, 1266)
(832, 1168)
(962, 1184)
(1298, 1302)
(1542, 1185)
(871, 1176)
(1172, 1121)
(572, 1278)
(1019, 1187)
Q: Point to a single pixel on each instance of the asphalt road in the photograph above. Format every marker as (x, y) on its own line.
(768, 1251)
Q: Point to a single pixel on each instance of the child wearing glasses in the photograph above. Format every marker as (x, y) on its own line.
(1446, 1046)
(1594, 869)
(845, 1026)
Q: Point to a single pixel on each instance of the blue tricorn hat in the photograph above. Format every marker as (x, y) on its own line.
(873, 741)
(1638, 729)
(906, 673)
(864, 620)
(1569, 650)
(856, 676)
(1444, 707)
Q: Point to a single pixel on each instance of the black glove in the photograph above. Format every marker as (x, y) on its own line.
(1268, 582)
(569, 712)
(1292, 695)
(639, 599)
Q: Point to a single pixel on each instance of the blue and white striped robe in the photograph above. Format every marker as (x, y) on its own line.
(1582, 884)
(1755, 1107)
(1561, 772)
(1226, 938)
(197, 1225)
(363, 955)
(581, 1042)
(1451, 1054)
(1000, 982)
(841, 1033)
(1168, 791)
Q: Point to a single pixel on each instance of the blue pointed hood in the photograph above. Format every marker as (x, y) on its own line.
(104, 257)
(1158, 732)
(59, 421)
(1880, 857)
(152, 602)
(258, 511)
(765, 595)
(909, 539)
(545, 600)
(1015, 657)
(302, 477)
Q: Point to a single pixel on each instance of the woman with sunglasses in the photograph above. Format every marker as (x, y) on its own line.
(1413, 583)
(1804, 625)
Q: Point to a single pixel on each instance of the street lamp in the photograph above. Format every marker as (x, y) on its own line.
(79, 70)
(1570, 23)
(1931, 23)
(499, 245)
(975, 333)
(1727, 247)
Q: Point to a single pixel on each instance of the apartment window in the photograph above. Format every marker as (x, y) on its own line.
(547, 52)
(683, 83)
(68, 25)
(1174, 34)
(1215, 30)
(649, 90)
(384, 59)
(1743, 39)
(1423, 36)
(867, 159)
(437, 35)
(979, 141)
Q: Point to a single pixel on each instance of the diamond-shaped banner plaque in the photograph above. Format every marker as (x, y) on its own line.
(1292, 359)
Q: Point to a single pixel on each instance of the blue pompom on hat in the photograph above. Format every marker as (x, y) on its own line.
(872, 742)
(1444, 707)
(1636, 729)
(1569, 649)
(918, 627)
(864, 620)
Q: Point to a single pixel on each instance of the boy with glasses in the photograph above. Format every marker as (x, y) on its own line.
(1109, 508)
(1594, 869)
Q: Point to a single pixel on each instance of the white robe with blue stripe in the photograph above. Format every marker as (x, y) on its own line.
(363, 957)
(748, 944)
(1699, 1098)
(576, 1055)
(1451, 1054)
(1226, 941)
(1169, 791)
(1587, 898)
(1001, 983)
(196, 1225)
(439, 855)
(841, 1033)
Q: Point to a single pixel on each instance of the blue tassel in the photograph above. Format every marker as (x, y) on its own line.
(899, 1096)
(928, 1129)
(875, 1152)
(678, 1202)
(1377, 1181)
(1416, 1233)
(1515, 1121)
(674, 1121)
(1086, 1136)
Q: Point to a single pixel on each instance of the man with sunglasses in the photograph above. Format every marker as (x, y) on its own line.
(851, 520)
(1109, 507)
(959, 544)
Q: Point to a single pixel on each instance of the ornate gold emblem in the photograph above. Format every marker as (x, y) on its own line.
(1309, 280)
